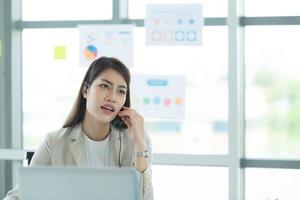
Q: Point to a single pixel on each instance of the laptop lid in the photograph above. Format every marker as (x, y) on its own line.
(74, 183)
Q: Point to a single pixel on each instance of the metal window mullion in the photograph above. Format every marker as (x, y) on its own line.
(120, 11)
(272, 20)
(270, 163)
(12, 154)
(212, 21)
(116, 11)
(191, 160)
(3, 136)
(75, 23)
(123, 10)
(15, 79)
(158, 159)
(236, 99)
(61, 24)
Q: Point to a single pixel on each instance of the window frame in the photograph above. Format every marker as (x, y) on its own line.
(235, 159)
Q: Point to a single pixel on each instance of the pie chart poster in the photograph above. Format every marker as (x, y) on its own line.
(106, 40)
(158, 96)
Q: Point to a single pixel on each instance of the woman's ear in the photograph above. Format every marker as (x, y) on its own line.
(84, 90)
(84, 93)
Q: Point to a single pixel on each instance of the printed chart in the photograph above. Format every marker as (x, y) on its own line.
(174, 24)
(106, 40)
(159, 96)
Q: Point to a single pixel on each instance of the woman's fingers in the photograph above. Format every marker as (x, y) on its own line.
(129, 112)
(126, 121)
(134, 121)
(131, 116)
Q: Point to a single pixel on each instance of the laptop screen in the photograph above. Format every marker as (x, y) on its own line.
(74, 183)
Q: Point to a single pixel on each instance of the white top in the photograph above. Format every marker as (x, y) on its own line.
(97, 153)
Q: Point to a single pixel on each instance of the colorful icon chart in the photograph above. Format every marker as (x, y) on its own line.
(90, 52)
(159, 96)
(157, 100)
(106, 40)
(176, 24)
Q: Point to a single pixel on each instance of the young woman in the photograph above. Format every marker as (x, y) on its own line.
(101, 130)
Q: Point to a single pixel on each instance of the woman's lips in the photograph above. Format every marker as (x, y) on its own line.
(107, 109)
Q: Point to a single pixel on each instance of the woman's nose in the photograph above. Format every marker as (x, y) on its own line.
(111, 97)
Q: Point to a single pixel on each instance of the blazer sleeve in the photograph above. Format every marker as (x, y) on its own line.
(41, 157)
(146, 176)
(12, 194)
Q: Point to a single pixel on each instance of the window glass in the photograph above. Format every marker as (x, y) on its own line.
(272, 184)
(192, 183)
(272, 91)
(204, 129)
(36, 10)
(211, 8)
(272, 8)
(50, 85)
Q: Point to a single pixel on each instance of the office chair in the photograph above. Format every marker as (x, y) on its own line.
(29, 155)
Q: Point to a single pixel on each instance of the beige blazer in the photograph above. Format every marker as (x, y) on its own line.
(66, 147)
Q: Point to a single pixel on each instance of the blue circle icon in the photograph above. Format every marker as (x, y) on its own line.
(191, 35)
(156, 100)
(179, 35)
(179, 21)
(192, 21)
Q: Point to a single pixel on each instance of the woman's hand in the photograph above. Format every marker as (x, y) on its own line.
(135, 124)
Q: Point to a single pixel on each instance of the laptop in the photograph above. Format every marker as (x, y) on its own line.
(74, 183)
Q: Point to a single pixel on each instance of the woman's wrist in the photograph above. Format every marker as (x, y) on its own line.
(140, 146)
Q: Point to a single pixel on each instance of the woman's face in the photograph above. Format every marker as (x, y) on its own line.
(106, 96)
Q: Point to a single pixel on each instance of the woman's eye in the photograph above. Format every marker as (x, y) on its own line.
(122, 92)
(104, 86)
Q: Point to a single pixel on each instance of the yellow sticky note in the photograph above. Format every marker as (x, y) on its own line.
(60, 52)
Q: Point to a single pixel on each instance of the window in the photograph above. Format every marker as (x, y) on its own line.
(192, 183)
(50, 85)
(272, 91)
(46, 10)
(211, 8)
(272, 184)
(48, 98)
(204, 129)
(272, 8)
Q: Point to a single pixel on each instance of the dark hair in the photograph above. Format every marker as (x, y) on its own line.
(96, 68)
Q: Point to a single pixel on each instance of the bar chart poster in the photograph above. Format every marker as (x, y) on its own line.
(157, 96)
(175, 24)
(106, 40)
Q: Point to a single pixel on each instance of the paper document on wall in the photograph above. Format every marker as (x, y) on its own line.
(175, 24)
(106, 40)
(158, 96)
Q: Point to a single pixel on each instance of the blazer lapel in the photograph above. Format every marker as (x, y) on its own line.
(115, 146)
(77, 145)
